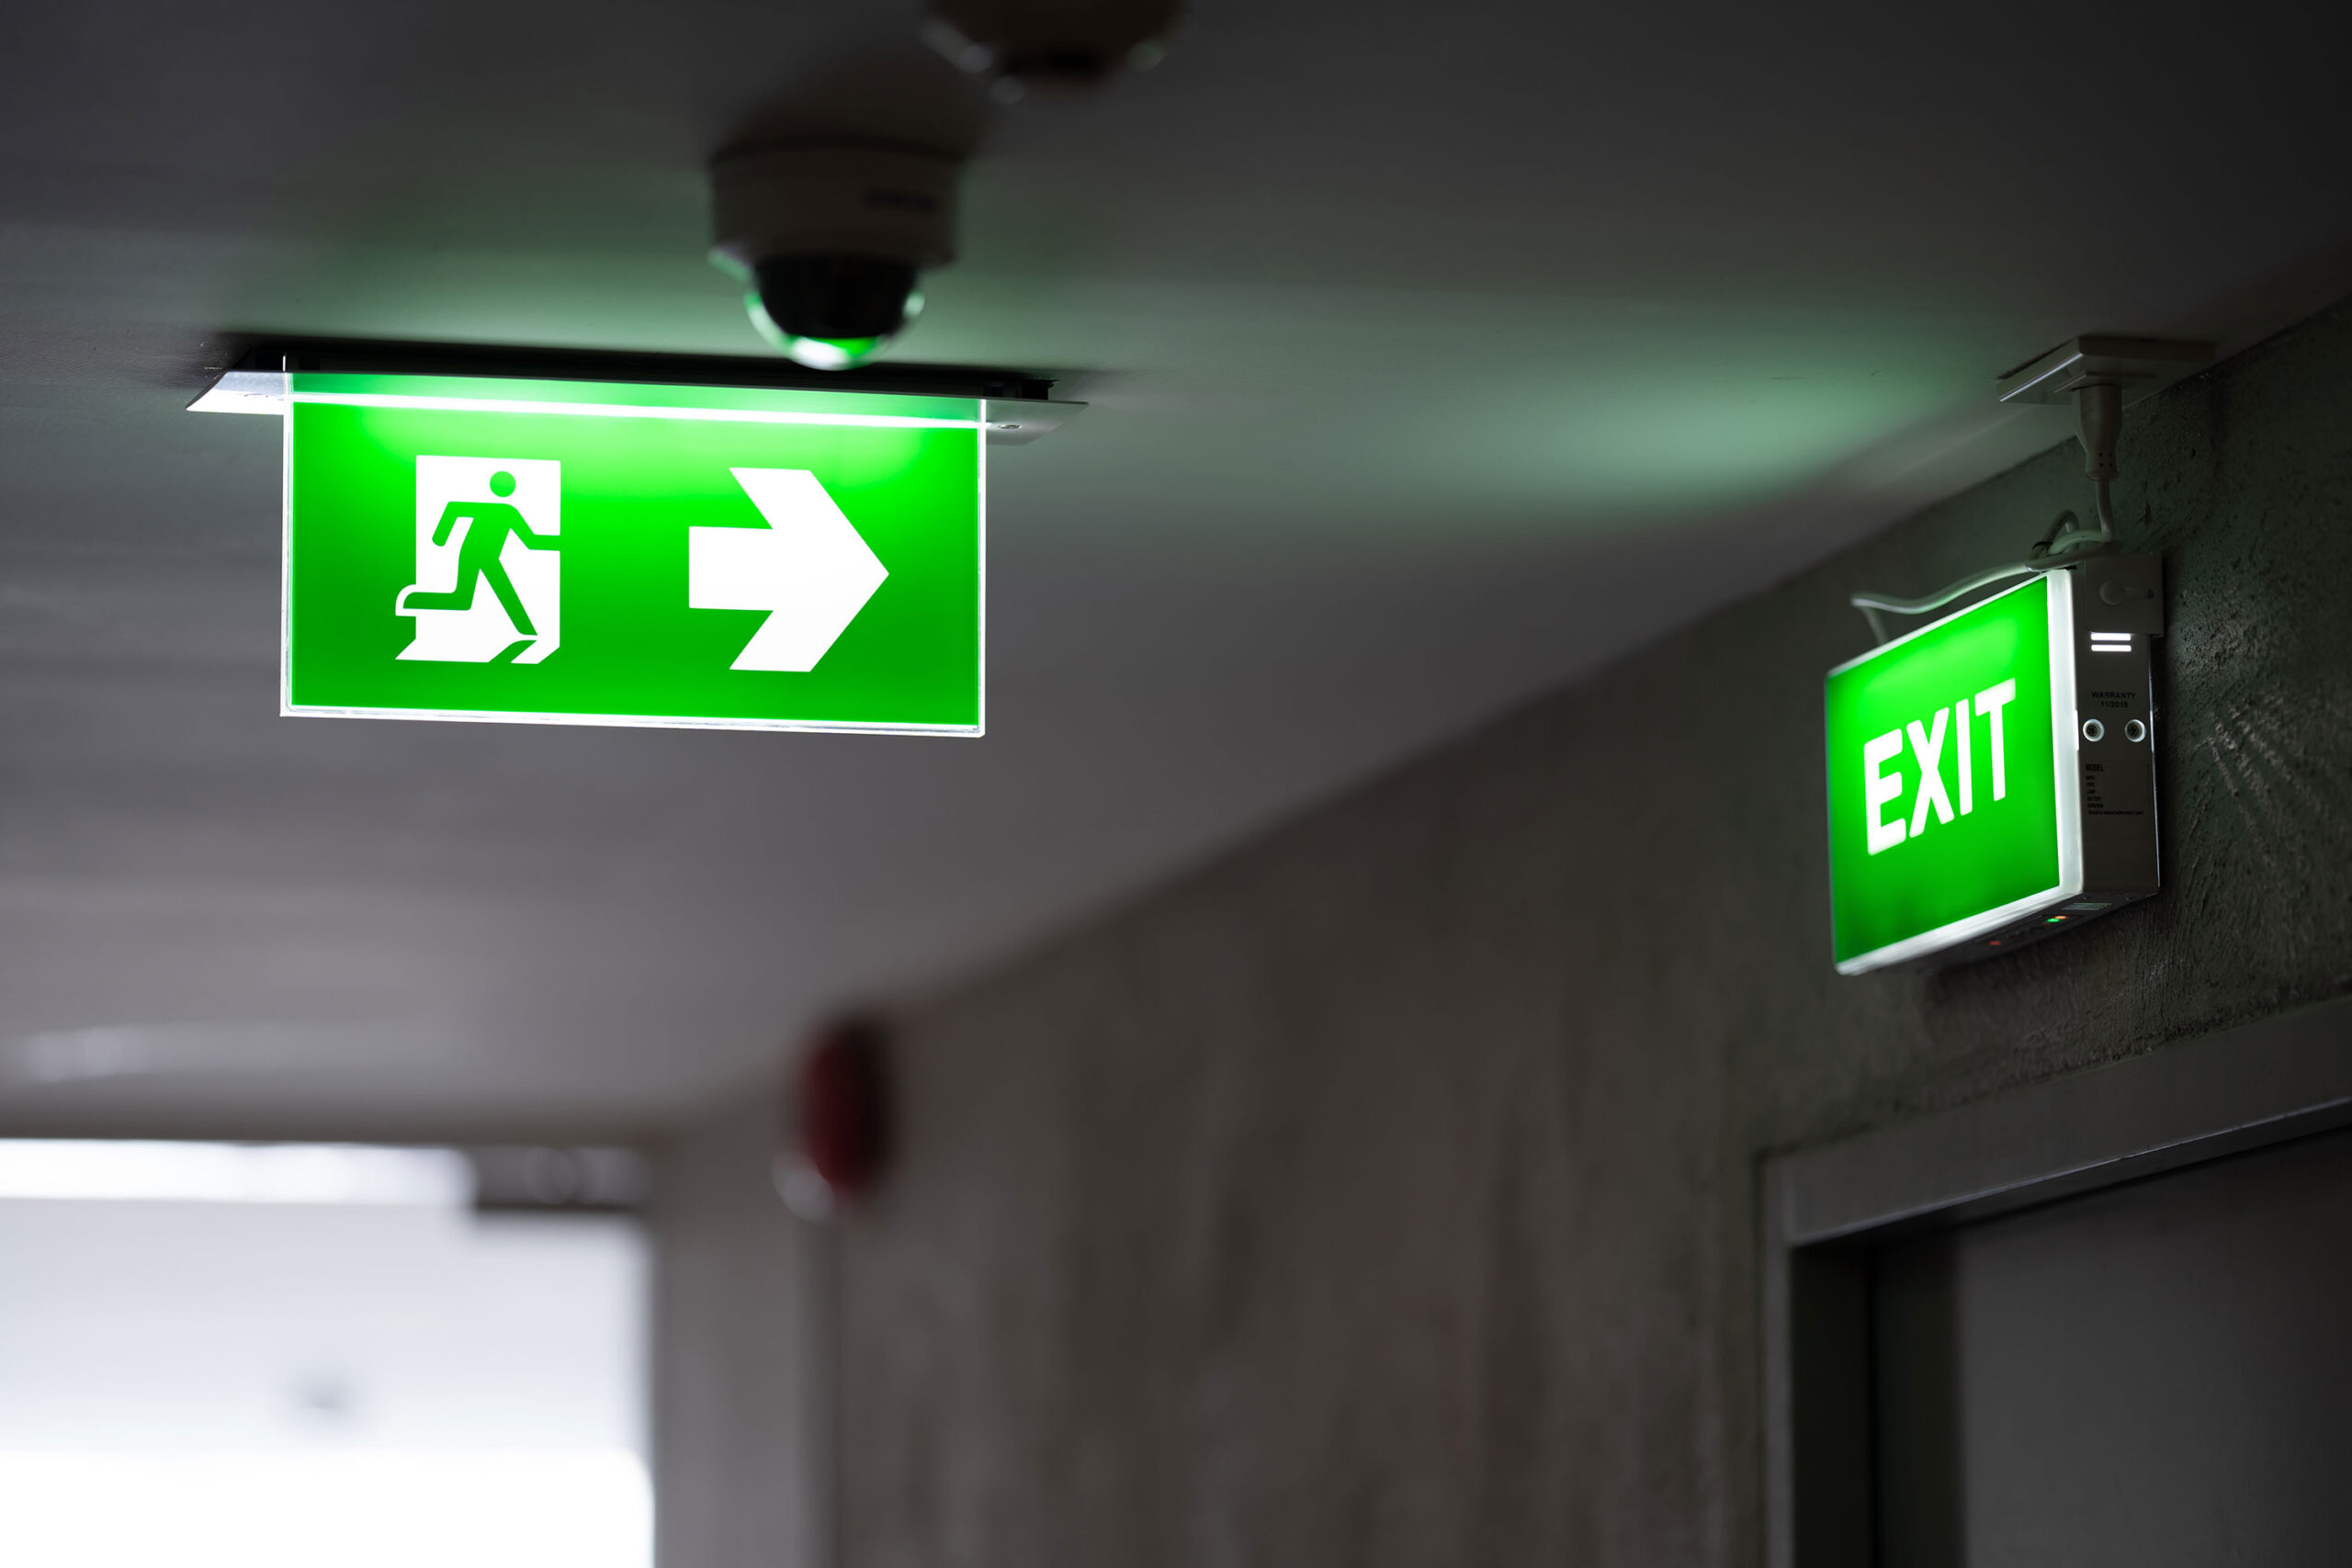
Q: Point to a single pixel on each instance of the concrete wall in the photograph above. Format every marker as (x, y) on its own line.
(742, 1323)
(1384, 1193)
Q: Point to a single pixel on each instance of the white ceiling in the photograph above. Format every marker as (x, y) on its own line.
(1437, 355)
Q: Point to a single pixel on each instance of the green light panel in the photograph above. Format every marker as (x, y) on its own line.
(1954, 796)
(599, 553)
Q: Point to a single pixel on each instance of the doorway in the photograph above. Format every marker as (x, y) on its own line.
(2098, 1323)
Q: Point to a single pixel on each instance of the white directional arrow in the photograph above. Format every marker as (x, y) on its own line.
(809, 568)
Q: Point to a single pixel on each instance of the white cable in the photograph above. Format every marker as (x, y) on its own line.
(2098, 410)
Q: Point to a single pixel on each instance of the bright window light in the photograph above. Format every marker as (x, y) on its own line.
(311, 1357)
(352, 1509)
(233, 1173)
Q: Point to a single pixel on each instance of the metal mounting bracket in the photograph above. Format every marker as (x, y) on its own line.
(2139, 364)
(1017, 406)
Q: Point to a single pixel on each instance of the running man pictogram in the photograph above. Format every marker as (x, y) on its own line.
(465, 511)
(487, 524)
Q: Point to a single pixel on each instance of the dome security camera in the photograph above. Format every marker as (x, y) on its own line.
(832, 239)
(1021, 44)
(830, 209)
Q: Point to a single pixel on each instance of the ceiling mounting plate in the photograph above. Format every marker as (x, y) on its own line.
(2138, 365)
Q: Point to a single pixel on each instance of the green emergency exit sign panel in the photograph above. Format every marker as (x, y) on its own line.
(598, 553)
(1954, 800)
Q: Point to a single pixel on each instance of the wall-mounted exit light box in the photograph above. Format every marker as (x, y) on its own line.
(1992, 776)
(567, 549)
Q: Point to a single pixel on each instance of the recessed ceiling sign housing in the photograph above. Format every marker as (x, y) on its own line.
(576, 551)
(1992, 776)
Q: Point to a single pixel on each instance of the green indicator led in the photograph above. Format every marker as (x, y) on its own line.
(1952, 797)
(608, 554)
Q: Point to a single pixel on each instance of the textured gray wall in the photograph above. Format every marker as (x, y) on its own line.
(1383, 1193)
(742, 1317)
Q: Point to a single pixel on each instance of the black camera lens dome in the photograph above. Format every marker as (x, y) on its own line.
(835, 296)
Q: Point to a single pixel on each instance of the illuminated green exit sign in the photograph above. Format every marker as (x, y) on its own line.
(1991, 775)
(584, 552)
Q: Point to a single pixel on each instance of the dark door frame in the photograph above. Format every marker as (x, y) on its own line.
(1826, 1207)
